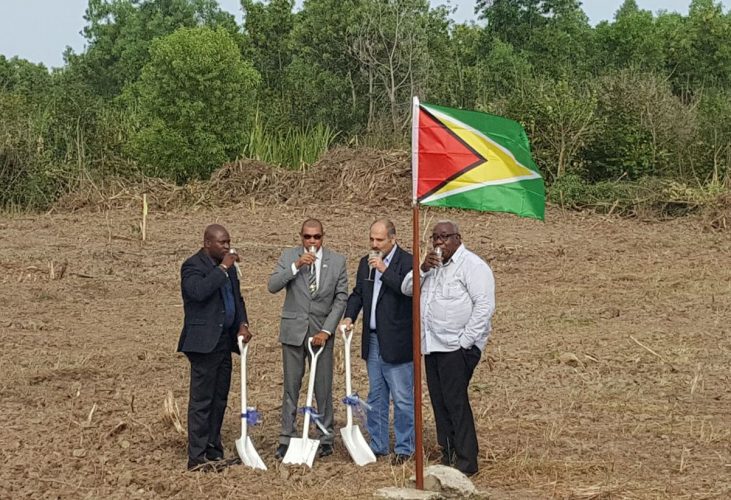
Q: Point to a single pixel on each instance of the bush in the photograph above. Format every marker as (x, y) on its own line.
(646, 130)
(195, 100)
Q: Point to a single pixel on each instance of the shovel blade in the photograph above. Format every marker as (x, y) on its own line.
(301, 451)
(248, 455)
(357, 446)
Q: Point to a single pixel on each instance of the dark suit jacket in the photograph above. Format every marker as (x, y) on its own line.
(201, 282)
(393, 309)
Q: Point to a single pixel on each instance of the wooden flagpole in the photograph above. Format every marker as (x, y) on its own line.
(416, 340)
(416, 304)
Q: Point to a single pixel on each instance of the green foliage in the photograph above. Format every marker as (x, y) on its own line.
(633, 39)
(561, 118)
(647, 196)
(170, 87)
(19, 76)
(292, 148)
(645, 128)
(54, 136)
(194, 103)
(119, 34)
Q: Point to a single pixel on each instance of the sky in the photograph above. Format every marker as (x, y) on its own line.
(40, 30)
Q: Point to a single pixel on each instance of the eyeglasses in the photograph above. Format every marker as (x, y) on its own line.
(443, 237)
(311, 236)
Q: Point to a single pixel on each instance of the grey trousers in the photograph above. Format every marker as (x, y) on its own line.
(294, 358)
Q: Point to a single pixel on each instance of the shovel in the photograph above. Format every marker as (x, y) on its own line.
(354, 441)
(302, 451)
(244, 446)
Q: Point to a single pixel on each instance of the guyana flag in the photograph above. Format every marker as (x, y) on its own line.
(467, 159)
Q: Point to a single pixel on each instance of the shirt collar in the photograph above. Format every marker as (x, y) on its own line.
(318, 254)
(387, 258)
(458, 254)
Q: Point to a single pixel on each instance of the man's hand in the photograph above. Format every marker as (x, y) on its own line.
(229, 259)
(431, 260)
(306, 259)
(244, 333)
(376, 262)
(320, 338)
(347, 323)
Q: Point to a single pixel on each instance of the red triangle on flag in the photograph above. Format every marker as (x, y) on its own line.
(443, 156)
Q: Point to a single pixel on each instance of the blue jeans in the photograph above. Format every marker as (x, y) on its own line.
(388, 381)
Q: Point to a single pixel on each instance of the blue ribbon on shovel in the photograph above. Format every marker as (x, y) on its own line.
(359, 406)
(252, 417)
(315, 417)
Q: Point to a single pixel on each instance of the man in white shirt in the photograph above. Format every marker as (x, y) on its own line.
(457, 304)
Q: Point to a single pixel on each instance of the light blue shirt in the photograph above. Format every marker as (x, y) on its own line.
(377, 287)
(457, 303)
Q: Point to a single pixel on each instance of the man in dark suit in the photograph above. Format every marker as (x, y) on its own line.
(214, 314)
(317, 288)
(386, 342)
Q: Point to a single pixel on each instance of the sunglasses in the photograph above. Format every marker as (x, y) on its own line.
(311, 236)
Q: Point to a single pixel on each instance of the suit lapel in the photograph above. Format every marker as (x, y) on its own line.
(393, 262)
(324, 269)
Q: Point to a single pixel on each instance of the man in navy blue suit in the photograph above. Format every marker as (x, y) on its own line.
(386, 340)
(215, 314)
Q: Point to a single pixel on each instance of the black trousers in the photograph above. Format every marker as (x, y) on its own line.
(448, 375)
(210, 381)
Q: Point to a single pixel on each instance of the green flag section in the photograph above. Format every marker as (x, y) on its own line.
(473, 160)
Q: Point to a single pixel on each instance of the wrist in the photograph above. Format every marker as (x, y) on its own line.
(223, 268)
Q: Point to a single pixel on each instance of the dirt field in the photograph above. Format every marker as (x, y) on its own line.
(608, 374)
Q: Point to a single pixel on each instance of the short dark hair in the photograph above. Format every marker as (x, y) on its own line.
(311, 223)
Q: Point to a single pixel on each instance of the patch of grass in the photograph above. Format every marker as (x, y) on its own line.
(291, 148)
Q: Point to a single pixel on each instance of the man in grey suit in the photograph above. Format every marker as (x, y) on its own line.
(317, 291)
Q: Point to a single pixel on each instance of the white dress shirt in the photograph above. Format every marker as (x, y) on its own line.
(318, 265)
(377, 288)
(457, 303)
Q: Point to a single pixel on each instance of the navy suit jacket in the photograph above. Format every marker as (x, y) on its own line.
(393, 309)
(201, 283)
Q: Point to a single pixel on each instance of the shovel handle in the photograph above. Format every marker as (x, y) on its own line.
(312, 353)
(347, 337)
(243, 350)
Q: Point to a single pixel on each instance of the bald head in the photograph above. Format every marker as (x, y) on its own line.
(386, 225)
(212, 231)
(216, 241)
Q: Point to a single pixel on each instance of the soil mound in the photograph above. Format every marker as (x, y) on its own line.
(342, 175)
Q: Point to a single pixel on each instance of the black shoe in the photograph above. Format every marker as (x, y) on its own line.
(325, 450)
(281, 451)
(399, 459)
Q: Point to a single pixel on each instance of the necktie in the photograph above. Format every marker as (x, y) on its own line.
(312, 280)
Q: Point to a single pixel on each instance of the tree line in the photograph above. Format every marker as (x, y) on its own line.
(176, 88)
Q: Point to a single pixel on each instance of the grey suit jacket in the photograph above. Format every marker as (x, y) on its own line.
(304, 314)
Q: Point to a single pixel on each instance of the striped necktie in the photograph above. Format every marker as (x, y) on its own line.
(312, 280)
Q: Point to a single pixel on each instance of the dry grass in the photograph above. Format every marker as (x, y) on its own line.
(607, 375)
(343, 175)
